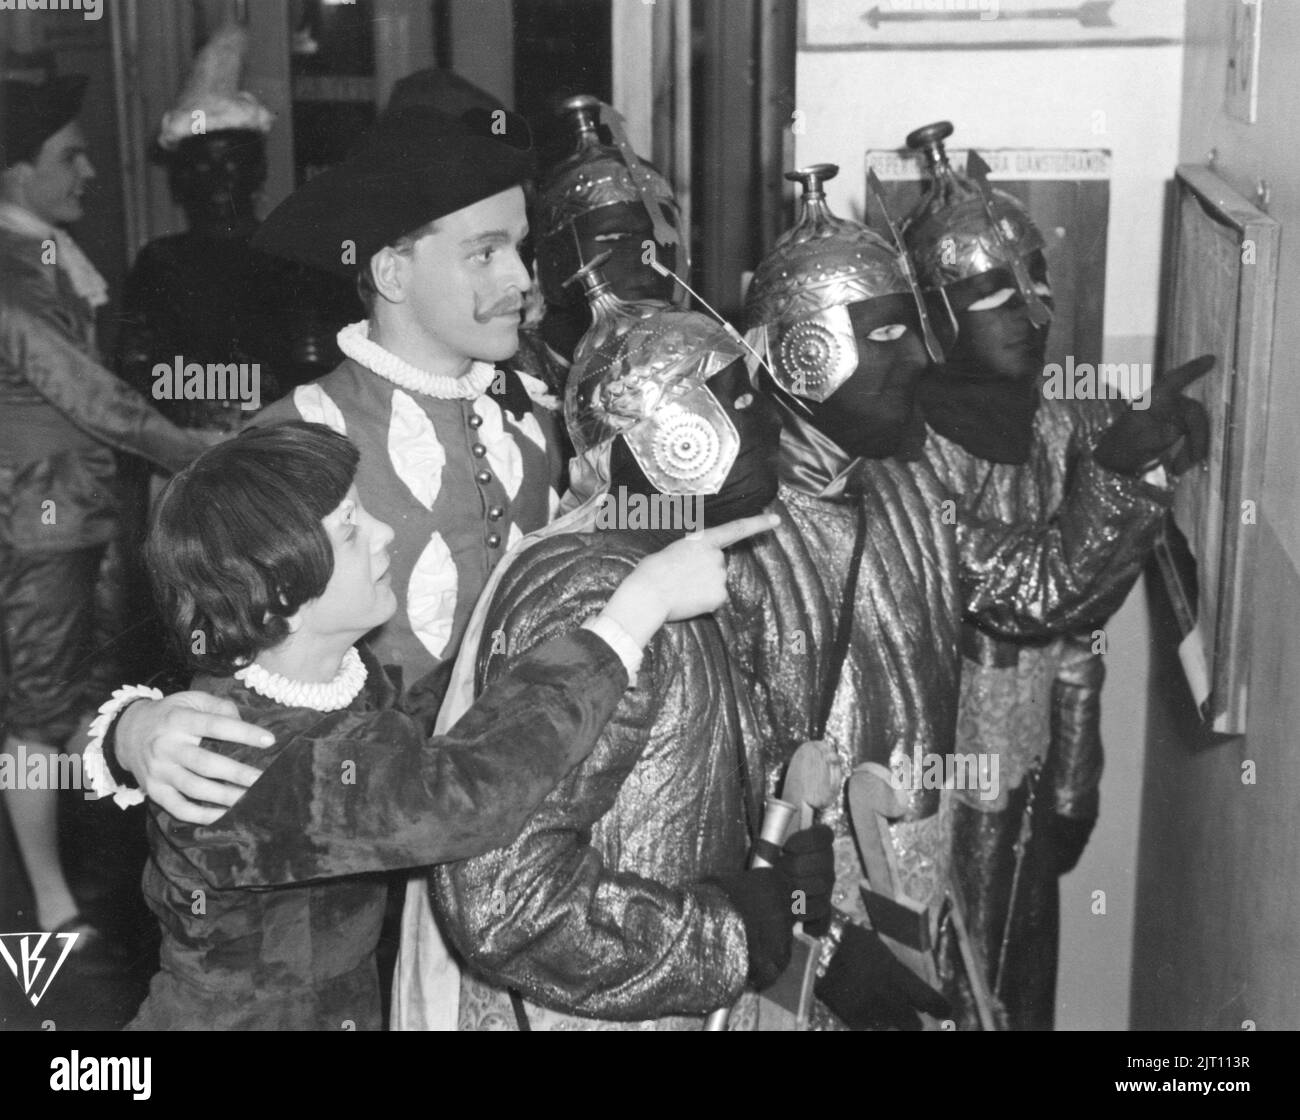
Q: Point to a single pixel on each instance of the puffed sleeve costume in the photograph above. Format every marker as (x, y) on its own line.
(271, 914)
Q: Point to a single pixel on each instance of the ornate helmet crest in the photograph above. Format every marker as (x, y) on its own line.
(640, 372)
(962, 227)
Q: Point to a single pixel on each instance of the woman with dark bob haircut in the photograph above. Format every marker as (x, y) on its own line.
(269, 570)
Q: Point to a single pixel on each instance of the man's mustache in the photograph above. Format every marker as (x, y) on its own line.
(512, 305)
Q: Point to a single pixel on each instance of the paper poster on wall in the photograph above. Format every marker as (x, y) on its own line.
(838, 25)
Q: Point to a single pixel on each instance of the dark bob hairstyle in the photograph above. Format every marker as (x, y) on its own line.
(236, 543)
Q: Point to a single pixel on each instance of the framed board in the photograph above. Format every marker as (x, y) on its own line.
(1221, 280)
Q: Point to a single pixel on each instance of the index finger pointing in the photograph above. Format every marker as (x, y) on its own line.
(724, 536)
(1176, 380)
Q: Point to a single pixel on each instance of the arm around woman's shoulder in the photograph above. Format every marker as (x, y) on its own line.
(366, 791)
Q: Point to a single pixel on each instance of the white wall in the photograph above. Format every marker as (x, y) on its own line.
(1125, 99)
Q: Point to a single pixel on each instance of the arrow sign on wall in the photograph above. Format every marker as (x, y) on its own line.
(1092, 13)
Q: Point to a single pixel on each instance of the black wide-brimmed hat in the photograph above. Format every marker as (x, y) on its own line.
(416, 165)
(444, 90)
(35, 110)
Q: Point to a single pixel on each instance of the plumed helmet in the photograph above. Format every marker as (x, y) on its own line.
(640, 372)
(949, 234)
(592, 176)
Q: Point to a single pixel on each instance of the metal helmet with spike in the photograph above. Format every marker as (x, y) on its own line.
(641, 373)
(962, 227)
(820, 264)
(592, 176)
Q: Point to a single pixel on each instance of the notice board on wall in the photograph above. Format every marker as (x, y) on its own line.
(1221, 280)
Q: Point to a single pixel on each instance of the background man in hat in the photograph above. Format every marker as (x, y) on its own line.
(429, 216)
(62, 415)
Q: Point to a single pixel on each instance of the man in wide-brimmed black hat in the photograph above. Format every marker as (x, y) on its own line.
(428, 215)
(61, 417)
(456, 455)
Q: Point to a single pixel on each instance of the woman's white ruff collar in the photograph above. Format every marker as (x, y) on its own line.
(354, 341)
(325, 696)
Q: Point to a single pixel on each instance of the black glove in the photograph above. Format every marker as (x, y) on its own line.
(808, 863)
(871, 989)
(1066, 838)
(762, 896)
(1174, 430)
(766, 899)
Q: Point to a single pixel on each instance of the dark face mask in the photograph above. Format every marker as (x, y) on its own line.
(751, 483)
(620, 230)
(985, 395)
(873, 414)
(215, 177)
(1000, 343)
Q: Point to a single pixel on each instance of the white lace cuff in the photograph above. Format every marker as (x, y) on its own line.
(93, 766)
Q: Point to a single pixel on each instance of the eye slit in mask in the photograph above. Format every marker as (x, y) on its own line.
(990, 302)
(1003, 295)
(890, 332)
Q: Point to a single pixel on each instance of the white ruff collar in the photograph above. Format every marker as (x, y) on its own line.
(85, 279)
(325, 696)
(354, 341)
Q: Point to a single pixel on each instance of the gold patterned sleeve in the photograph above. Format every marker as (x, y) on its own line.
(555, 915)
(1023, 581)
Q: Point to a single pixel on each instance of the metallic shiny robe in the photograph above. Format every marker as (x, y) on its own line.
(1036, 707)
(598, 914)
(926, 565)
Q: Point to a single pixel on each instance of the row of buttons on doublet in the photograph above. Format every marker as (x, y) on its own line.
(484, 476)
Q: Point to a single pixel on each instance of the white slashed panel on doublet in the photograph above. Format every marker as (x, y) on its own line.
(537, 391)
(414, 449)
(515, 535)
(502, 451)
(314, 406)
(431, 596)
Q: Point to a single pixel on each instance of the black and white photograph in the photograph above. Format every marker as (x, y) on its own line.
(650, 515)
